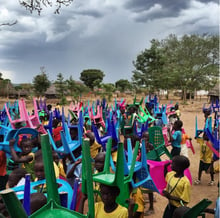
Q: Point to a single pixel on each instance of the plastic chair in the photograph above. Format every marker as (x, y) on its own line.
(52, 209)
(157, 140)
(97, 117)
(49, 126)
(116, 179)
(111, 133)
(197, 210)
(70, 147)
(144, 178)
(145, 117)
(64, 186)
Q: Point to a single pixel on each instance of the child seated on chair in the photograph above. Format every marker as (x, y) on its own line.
(178, 187)
(108, 207)
(26, 158)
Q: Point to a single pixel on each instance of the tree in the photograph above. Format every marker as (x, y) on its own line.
(41, 82)
(92, 77)
(123, 85)
(61, 86)
(149, 68)
(108, 88)
(37, 5)
(75, 90)
(188, 63)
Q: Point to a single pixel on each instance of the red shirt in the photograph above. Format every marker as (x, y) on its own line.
(3, 163)
(56, 133)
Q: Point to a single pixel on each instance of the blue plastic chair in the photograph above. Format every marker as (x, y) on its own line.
(64, 186)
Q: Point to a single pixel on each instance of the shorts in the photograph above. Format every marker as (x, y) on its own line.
(204, 166)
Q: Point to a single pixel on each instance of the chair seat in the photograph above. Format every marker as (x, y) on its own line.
(106, 179)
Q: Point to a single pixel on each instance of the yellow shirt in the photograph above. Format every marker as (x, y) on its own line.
(137, 196)
(182, 189)
(94, 149)
(205, 152)
(119, 212)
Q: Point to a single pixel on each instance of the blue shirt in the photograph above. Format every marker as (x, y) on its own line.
(177, 137)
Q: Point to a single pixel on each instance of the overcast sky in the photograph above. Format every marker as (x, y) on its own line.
(101, 34)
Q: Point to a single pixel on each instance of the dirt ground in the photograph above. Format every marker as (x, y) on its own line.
(199, 192)
(188, 113)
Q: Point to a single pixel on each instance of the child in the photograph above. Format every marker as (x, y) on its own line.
(27, 157)
(3, 172)
(178, 186)
(176, 137)
(206, 160)
(59, 164)
(99, 167)
(37, 201)
(184, 149)
(149, 147)
(16, 177)
(56, 132)
(94, 146)
(108, 207)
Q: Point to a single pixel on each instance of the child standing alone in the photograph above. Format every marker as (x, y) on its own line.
(206, 160)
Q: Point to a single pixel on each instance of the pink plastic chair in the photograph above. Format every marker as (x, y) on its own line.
(157, 168)
(97, 118)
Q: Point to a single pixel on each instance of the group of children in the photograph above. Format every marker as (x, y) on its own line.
(177, 191)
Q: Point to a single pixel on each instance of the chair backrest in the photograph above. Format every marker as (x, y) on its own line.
(197, 209)
(156, 136)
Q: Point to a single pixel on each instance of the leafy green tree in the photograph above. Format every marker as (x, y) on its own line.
(41, 83)
(189, 63)
(123, 85)
(75, 89)
(149, 68)
(92, 77)
(61, 88)
(108, 88)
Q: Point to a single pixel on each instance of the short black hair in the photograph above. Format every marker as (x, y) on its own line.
(182, 161)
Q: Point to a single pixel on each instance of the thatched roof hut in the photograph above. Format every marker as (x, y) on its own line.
(214, 93)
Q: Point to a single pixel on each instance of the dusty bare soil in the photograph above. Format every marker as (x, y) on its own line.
(188, 113)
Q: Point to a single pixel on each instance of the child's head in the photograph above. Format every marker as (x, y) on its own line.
(26, 145)
(55, 123)
(91, 137)
(37, 200)
(100, 161)
(145, 136)
(39, 170)
(109, 194)
(180, 163)
(177, 125)
(15, 176)
(56, 158)
(205, 137)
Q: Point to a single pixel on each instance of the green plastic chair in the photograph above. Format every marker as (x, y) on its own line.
(157, 140)
(146, 116)
(117, 178)
(53, 208)
(197, 210)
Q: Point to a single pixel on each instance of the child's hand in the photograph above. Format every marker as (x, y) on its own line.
(166, 194)
(11, 142)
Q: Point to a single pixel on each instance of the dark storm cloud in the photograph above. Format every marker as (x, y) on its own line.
(154, 9)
